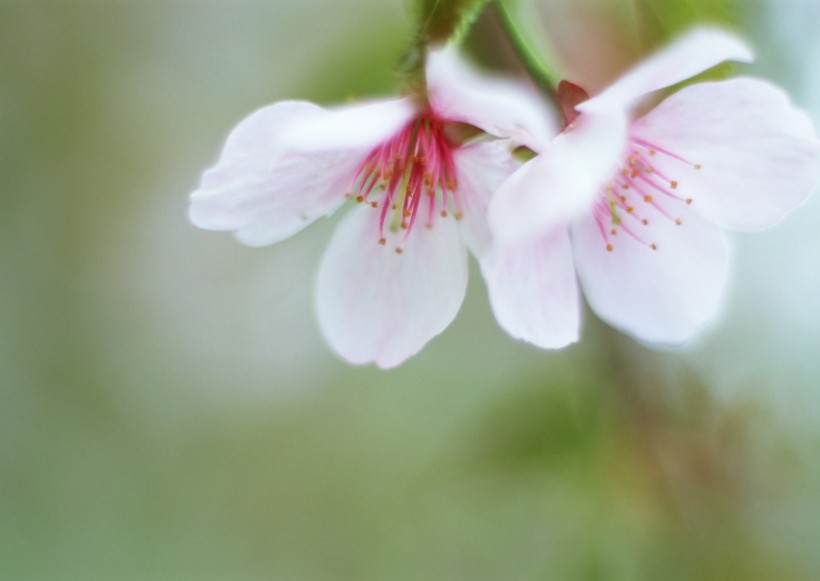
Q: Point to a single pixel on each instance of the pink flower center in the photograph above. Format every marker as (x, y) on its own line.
(638, 195)
(415, 164)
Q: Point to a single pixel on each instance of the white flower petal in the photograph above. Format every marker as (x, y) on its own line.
(560, 182)
(482, 168)
(360, 126)
(377, 306)
(659, 296)
(501, 107)
(533, 290)
(693, 53)
(266, 194)
(759, 154)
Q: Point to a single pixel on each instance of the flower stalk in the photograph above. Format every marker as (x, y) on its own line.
(543, 73)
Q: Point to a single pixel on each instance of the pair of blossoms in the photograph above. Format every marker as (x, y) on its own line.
(631, 206)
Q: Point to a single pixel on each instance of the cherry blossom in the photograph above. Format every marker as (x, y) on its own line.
(640, 201)
(418, 181)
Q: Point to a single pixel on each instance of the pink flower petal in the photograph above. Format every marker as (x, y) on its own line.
(693, 53)
(560, 182)
(482, 168)
(659, 296)
(377, 306)
(360, 126)
(533, 290)
(759, 154)
(501, 107)
(265, 194)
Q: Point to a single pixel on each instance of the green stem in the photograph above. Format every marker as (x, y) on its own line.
(545, 76)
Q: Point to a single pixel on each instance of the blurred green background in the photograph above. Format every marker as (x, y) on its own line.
(168, 409)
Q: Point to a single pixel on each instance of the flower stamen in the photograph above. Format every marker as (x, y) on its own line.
(416, 163)
(637, 181)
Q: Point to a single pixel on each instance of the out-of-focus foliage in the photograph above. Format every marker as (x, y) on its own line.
(661, 19)
(168, 409)
(656, 22)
